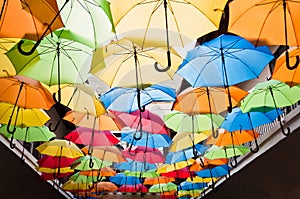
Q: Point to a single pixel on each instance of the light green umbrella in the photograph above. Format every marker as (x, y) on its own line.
(146, 174)
(182, 122)
(160, 188)
(87, 162)
(269, 95)
(29, 134)
(76, 177)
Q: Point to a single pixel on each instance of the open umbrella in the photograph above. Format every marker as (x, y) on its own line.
(133, 188)
(87, 162)
(104, 187)
(136, 99)
(161, 188)
(144, 154)
(109, 153)
(135, 166)
(158, 180)
(269, 95)
(121, 179)
(54, 162)
(6, 67)
(281, 15)
(169, 15)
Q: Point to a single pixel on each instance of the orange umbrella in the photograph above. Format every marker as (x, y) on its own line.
(199, 165)
(207, 100)
(104, 187)
(236, 137)
(107, 153)
(158, 180)
(282, 73)
(25, 92)
(105, 171)
(30, 19)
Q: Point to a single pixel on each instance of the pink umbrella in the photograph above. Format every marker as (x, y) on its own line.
(144, 154)
(92, 137)
(133, 188)
(180, 173)
(147, 121)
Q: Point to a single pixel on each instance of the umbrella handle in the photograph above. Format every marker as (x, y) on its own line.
(55, 128)
(215, 133)
(91, 163)
(282, 129)
(91, 186)
(235, 162)
(167, 67)
(8, 127)
(201, 162)
(30, 52)
(11, 144)
(287, 58)
(256, 145)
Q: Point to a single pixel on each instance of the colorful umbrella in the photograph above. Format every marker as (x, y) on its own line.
(109, 153)
(104, 187)
(144, 154)
(6, 67)
(87, 162)
(176, 170)
(135, 99)
(55, 162)
(160, 188)
(192, 185)
(133, 188)
(105, 171)
(158, 180)
(122, 179)
(135, 166)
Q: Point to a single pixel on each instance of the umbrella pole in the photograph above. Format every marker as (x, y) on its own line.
(27, 53)
(141, 108)
(168, 44)
(23, 150)
(215, 134)
(255, 140)
(281, 125)
(235, 160)
(287, 58)
(3, 8)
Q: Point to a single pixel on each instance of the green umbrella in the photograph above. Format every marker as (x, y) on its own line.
(87, 162)
(269, 95)
(146, 174)
(60, 58)
(76, 177)
(160, 188)
(181, 122)
(29, 134)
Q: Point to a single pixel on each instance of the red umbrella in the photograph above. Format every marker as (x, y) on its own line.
(52, 176)
(179, 173)
(55, 162)
(88, 136)
(144, 154)
(148, 121)
(133, 188)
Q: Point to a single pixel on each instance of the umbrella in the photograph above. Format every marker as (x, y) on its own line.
(56, 60)
(143, 174)
(109, 153)
(199, 165)
(281, 71)
(182, 122)
(204, 100)
(185, 194)
(144, 154)
(135, 166)
(160, 188)
(104, 187)
(148, 121)
(269, 95)
(191, 185)
(77, 177)
(50, 176)
(29, 19)
(285, 15)
(133, 188)
(122, 179)
(87, 162)
(60, 148)
(105, 171)
(214, 172)
(176, 170)
(55, 162)
(92, 137)
(6, 67)
(224, 61)
(147, 139)
(158, 180)
(185, 140)
(132, 60)
(152, 14)
(136, 99)
(70, 185)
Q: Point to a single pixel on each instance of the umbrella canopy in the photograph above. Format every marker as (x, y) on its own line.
(105, 171)
(87, 162)
(92, 137)
(144, 154)
(148, 121)
(72, 186)
(226, 152)
(53, 162)
(178, 169)
(115, 98)
(104, 187)
(191, 185)
(185, 140)
(158, 180)
(224, 61)
(30, 134)
(6, 67)
(135, 166)
(160, 188)
(133, 188)
(122, 179)
(60, 148)
(204, 100)
(30, 19)
(25, 92)
(236, 137)
(108, 153)
(215, 172)
(147, 139)
(199, 165)
(182, 122)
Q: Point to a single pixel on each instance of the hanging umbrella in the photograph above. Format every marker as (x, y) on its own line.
(207, 100)
(72, 186)
(143, 174)
(56, 60)
(270, 95)
(105, 171)
(224, 61)
(109, 153)
(122, 179)
(160, 188)
(147, 139)
(87, 162)
(102, 122)
(136, 99)
(60, 148)
(135, 166)
(185, 140)
(178, 173)
(214, 172)
(158, 180)
(50, 176)
(168, 15)
(182, 122)
(281, 15)
(6, 67)
(92, 137)
(55, 162)
(25, 92)
(132, 60)
(282, 73)
(147, 120)
(191, 185)
(176, 170)
(182, 194)
(29, 19)
(199, 165)
(144, 154)
(77, 177)
(133, 188)
(104, 187)
(55, 171)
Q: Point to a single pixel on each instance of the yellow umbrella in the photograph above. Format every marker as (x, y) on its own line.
(131, 60)
(184, 140)
(171, 167)
(6, 67)
(55, 170)
(70, 185)
(80, 97)
(198, 179)
(60, 148)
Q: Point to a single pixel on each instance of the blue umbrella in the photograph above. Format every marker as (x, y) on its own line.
(135, 166)
(132, 99)
(191, 186)
(237, 120)
(121, 179)
(147, 139)
(185, 154)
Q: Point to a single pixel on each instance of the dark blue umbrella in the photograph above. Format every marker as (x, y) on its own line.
(147, 139)
(121, 179)
(214, 172)
(191, 186)
(132, 99)
(237, 120)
